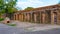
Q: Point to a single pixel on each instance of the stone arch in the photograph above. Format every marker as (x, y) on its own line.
(55, 17)
(48, 16)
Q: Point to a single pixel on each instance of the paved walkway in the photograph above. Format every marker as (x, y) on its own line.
(23, 24)
(23, 27)
(35, 27)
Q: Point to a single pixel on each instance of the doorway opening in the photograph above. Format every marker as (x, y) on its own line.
(55, 17)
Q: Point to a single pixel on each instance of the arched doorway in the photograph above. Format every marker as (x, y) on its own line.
(55, 17)
(48, 17)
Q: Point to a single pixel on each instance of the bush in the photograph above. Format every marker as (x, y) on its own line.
(1, 19)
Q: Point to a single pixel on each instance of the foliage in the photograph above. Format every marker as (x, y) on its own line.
(59, 2)
(7, 6)
(1, 19)
(29, 8)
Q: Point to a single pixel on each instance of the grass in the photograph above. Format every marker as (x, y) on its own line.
(11, 24)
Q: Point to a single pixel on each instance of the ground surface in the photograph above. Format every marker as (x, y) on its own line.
(29, 28)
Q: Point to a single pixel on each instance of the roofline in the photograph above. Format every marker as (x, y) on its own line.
(38, 8)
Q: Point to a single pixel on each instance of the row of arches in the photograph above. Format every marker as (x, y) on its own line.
(44, 17)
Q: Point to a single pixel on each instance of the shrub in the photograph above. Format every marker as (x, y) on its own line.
(1, 19)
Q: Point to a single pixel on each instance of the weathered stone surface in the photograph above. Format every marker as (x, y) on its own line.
(6, 20)
(48, 15)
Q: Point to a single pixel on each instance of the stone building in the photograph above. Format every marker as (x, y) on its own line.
(43, 15)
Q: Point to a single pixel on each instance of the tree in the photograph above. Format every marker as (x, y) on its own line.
(7, 6)
(59, 2)
(29, 8)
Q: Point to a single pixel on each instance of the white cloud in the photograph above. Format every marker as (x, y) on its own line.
(35, 3)
(29, 3)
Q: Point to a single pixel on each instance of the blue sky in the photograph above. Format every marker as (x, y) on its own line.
(35, 3)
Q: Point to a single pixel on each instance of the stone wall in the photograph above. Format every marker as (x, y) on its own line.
(44, 15)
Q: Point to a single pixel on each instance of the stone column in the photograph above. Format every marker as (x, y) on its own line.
(16, 17)
(24, 17)
(35, 20)
(28, 17)
(52, 17)
(58, 17)
(40, 17)
(31, 16)
(43, 18)
(20, 17)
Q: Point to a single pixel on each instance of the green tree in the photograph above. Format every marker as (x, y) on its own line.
(29, 8)
(7, 6)
(59, 2)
